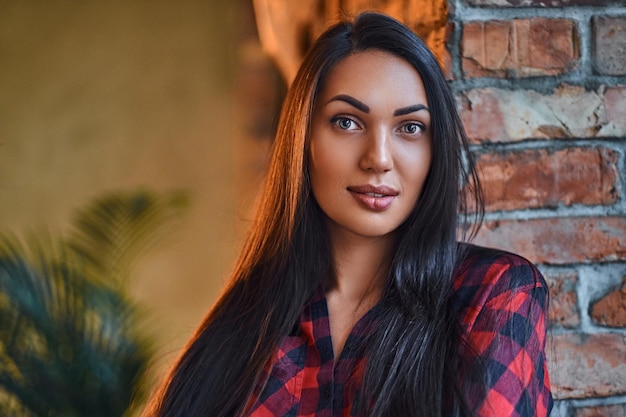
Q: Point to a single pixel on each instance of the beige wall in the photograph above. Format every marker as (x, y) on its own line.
(98, 96)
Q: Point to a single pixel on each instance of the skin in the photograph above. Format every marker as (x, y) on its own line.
(370, 128)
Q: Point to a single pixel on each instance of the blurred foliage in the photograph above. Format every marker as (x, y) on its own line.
(71, 343)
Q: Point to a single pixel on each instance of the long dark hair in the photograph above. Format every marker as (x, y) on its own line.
(412, 358)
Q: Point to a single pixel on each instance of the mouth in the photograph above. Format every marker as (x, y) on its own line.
(377, 191)
(376, 198)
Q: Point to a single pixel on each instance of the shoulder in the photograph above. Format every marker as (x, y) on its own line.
(480, 266)
(494, 277)
(501, 300)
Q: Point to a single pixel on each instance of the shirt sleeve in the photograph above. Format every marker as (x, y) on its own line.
(507, 334)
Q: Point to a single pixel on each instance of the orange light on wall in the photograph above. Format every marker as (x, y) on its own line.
(287, 28)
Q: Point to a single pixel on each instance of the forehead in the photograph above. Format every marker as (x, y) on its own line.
(375, 75)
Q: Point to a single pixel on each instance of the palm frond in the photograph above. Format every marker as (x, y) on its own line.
(70, 339)
(115, 229)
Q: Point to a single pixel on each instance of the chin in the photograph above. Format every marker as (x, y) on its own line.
(374, 232)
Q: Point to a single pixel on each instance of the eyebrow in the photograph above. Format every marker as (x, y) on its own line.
(365, 108)
(410, 109)
(351, 101)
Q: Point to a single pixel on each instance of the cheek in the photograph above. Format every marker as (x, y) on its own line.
(415, 168)
(324, 173)
(324, 163)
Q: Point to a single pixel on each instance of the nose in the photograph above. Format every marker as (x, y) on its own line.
(377, 152)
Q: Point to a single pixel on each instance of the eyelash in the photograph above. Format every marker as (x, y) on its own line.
(419, 127)
(337, 120)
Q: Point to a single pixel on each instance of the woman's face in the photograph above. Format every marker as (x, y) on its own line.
(370, 148)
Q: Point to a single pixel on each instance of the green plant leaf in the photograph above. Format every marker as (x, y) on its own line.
(70, 337)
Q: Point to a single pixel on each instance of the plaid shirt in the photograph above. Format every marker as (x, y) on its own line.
(501, 300)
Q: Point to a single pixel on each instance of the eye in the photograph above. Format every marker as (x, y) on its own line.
(412, 128)
(344, 123)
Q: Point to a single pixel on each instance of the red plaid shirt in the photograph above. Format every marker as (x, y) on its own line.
(501, 300)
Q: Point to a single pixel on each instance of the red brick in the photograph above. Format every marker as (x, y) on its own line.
(498, 115)
(520, 47)
(482, 115)
(485, 48)
(610, 310)
(584, 366)
(544, 3)
(609, 40)
(541, 178)
(559, 240)
(601, 411)
(615, 103)
(563, 300)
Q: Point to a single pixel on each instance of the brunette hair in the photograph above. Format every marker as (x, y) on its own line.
(412, 358)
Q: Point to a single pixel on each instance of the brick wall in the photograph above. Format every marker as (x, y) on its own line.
(541, 85)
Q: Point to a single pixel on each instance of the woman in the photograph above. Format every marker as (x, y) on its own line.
(352, 295)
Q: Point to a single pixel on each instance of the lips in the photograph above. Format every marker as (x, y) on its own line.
(373, 197)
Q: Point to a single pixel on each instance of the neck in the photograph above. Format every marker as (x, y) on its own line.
(360, 265)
